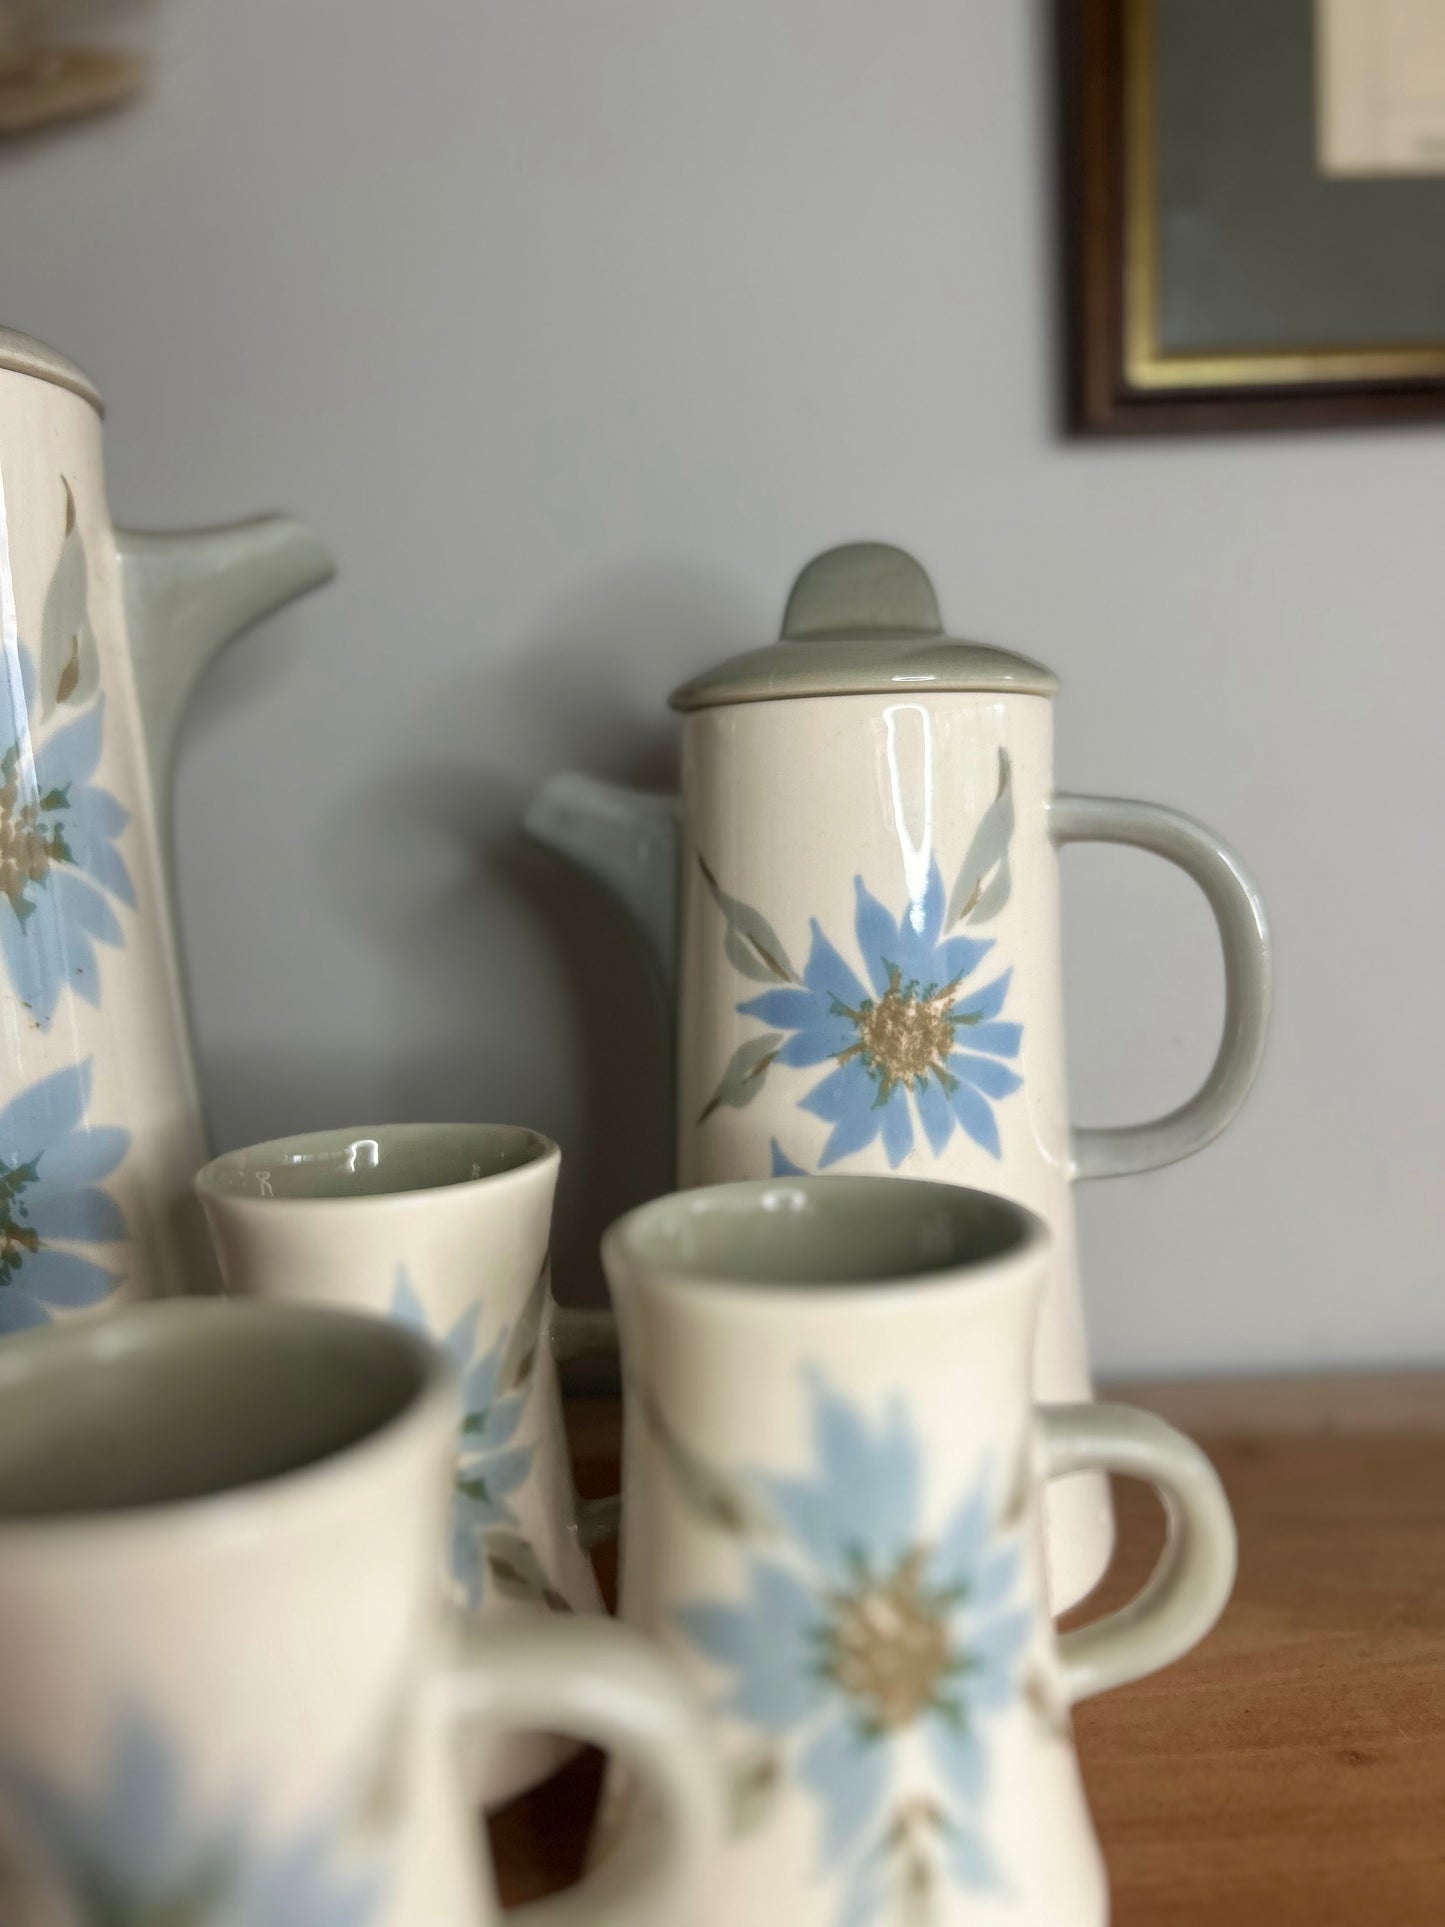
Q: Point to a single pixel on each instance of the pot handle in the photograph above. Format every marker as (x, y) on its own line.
(1191, 1584)
(1116, 1151)
(605, 1684)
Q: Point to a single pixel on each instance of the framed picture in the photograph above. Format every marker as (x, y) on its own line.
(1257, 211)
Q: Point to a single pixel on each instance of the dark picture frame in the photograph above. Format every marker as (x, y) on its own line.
(1124, 377)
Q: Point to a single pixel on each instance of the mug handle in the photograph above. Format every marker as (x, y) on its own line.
(1189, 1587)
(579, 1333)
(1116, 1151)
(603, 1683)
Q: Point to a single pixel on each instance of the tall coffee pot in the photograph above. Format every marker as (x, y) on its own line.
(103, 634)
(856, 904)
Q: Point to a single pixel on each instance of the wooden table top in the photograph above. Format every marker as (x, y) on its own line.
(1291, 1771)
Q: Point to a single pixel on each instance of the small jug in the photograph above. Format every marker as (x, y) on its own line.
(229, 1694)
(830, 1518)
(444, 1228)
(857, 902)
(103, 635)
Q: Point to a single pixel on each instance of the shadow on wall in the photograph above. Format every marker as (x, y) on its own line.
(520, 990)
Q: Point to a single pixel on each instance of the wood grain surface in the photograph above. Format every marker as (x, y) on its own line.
(1291, 1772)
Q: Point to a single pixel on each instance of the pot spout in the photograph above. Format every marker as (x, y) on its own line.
(190, 593)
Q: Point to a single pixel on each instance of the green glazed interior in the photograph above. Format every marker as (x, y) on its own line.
(824, 1231)
(374, 1162)
(186, 1400)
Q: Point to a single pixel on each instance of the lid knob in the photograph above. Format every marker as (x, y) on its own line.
(865, 589)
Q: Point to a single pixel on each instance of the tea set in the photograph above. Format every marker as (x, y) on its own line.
(293, 1576)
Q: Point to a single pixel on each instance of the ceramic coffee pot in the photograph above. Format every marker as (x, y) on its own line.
(857, 901)
(103, 634)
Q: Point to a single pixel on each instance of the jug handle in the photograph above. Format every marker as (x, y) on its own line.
(1116, 1151)
(1189, 1587)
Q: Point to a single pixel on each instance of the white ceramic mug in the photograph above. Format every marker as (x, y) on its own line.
(228, 1694)
(832, 1476)
(445, 1228)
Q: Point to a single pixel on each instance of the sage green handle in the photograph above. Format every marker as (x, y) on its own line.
(588, 1334)
(1116, 1152)
(603, 1683)
(1190, 1585)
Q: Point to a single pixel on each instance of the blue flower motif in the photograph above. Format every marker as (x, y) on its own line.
(859, 1637)
(489, 1466)
(50, 1199)
(59, 865)
(917, 1030)
(135, 1853)
(782, 1165)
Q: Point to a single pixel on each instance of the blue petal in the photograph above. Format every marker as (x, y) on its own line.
(1000, 1040)
(82, 1156)
(961, 1544)
(82, 907)
(971, 1862)
(32, 961)
(460, 1342)
(864, 1498)
(787, 1009)
(849, 1774)
(766, 1644)
(63, 1281)
(988, 1000)
(72, 753)
(826, 972)
(995, 1645)
(878, 939)
(44, 1113)
(782, 1165)
(933, 1110)
(102, 861)
(499, 1422)
(986, 1074)
(976, 1116)
(994, 1579)
(83, 1214)
(406, 1305)
(98, 810)
(479, 1387)
(897, 1128)
(500, 1472)
(958, 958)
(916, 947)
(960, 1756)
(846, 1098)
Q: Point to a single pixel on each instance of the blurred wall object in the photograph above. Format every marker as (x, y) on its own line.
(62, 59)
(1257, 199)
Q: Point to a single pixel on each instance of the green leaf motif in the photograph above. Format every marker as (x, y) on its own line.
(69, 659)
(710, 1494)
(520, 1357)
(753, 1785)
(985, 882)
(751, 944)
(744, 1076)
(517, 1573)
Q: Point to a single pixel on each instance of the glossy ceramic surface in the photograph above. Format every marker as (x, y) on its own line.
(856, 905)
(443, 1228)
(102, 636)
(832, 1470)
(226, 1695)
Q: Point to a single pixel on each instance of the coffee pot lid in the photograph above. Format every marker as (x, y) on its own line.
(863, 620)
(27, 356)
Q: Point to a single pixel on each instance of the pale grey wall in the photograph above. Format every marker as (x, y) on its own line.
(577, 325)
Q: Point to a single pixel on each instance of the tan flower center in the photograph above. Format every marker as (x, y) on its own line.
(27, 846)
(887, 1647)
(907, 1036)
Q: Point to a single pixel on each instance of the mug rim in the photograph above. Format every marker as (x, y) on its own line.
(232, 1508)
(543, 1153)
(624, 1254)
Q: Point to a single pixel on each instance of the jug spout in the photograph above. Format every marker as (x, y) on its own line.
(628, 841)
(187, 594)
